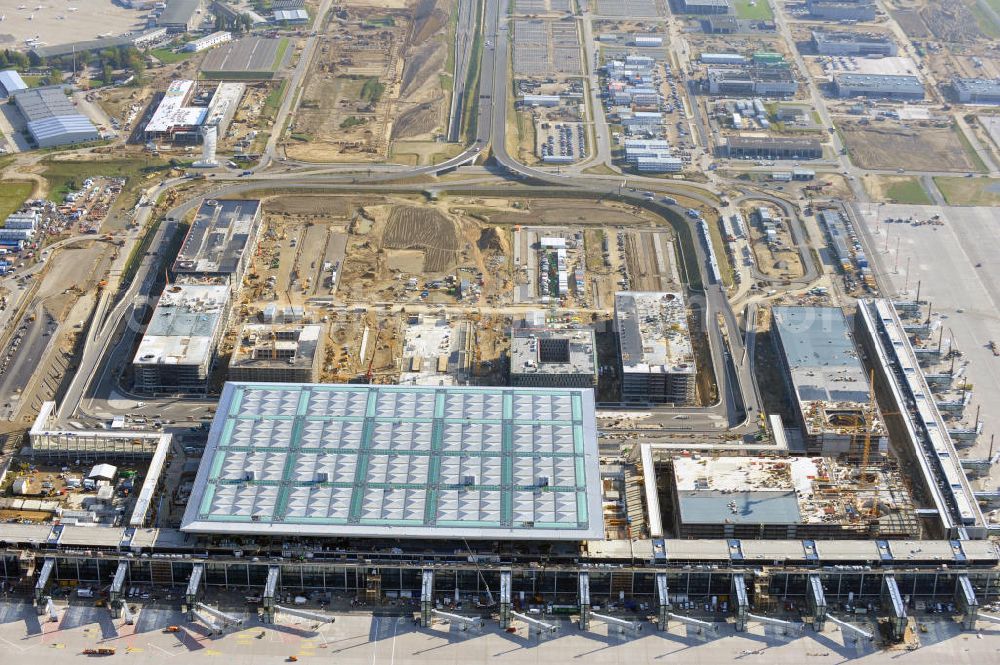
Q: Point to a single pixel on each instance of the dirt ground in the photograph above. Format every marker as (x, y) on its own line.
(375, 79)
(890, 146)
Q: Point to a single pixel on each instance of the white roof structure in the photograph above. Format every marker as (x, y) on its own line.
(172, 113)
(103, 472)
(11, 81)
(400, 461)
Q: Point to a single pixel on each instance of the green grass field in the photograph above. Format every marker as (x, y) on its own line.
(969, 191)
(759, 11)
(12, 195)
(970, 151)
(908, 191)
(168, 57)
(280, 55)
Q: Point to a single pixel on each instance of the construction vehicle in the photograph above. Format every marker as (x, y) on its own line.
(171, 629)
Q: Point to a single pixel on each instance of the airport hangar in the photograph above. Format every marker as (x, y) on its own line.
(401, 491)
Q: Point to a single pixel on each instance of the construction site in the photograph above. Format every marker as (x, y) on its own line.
(375, 80)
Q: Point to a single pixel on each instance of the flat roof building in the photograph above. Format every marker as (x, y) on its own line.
(179, 15)
(209, 41)
(11, 82)
(178, 346)
(400, 462)
(137, 39)
(277, 353)
(553, 358)
(853, 43)
(246, 59)
(703, 6)
(220, 241)
(760, 147)
(52, 118)
(831, 396)
(761, 81)
(976, 91)
(655, 347)
(842, 10)
(787, 498)
(175, 119)
(882, 86)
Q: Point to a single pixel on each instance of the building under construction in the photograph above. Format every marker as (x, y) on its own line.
(830, 390)
(277, 353)
(795, 497)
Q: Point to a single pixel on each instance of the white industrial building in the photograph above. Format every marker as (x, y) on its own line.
(976, 91)
(540, 100)
(852, 43)
(178, 119)
(209, 41)
(11, 82)
(51, 117)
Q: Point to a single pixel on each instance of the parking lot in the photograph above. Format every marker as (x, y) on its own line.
(546, 48)
(628, 8)
(564, 141)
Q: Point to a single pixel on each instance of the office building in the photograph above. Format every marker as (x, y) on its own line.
(289, 353)
(842, 10)
(880, 86)
(178, 347)
(829, 389)
(553, 358)
(752, 81)
(655, 348)
(853, 43)
(220, 242)
(209, 41)
(754, 147)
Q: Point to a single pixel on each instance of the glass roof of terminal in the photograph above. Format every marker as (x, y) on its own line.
(400, 461)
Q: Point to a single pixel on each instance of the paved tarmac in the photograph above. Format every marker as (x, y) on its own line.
(362, 638)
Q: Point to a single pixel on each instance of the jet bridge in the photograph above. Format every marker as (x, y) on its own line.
(426, 596)
(816, 600)
(463, 621)
(116, 597)
(506, 585)
(42, 585)
(208, 622)
(270, 591)
(216, 620)
(966, 601)
(895, 610)
(850, 630)
(539, 625)
(663, 600)
(194, 586)
(308, 615)
(741, 606)
(691, 621)
(785, 626)
(584, 600)
(621, 624)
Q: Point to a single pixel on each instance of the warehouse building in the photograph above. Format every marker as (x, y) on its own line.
(831, 397)
(842, 10)
(208, 41)
(785, 498)
(754, 147)
(722, 59)
(976, 91)
(220, 242)
(246, 59)
(277, 353)
(853, 43)
(655, 347)
(880, 86)
(51, 117)
(178, 347)
(11, 82)
(553, 358)
(179, 15)
(400, 462)
(703, 6)
(752, 81)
